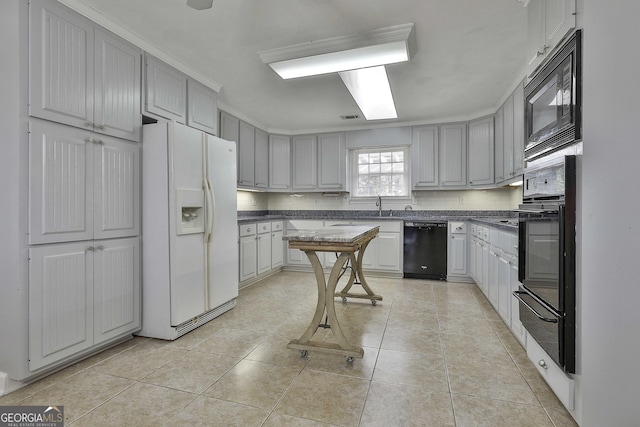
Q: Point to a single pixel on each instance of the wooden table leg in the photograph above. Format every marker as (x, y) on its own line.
(326, 304)
(356, 273)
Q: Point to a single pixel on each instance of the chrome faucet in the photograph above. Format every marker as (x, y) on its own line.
(379, 205)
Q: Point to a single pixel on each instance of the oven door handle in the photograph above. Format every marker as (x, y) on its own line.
(531, 309)
(536, 211)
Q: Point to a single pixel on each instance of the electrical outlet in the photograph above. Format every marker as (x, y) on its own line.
(461, 200)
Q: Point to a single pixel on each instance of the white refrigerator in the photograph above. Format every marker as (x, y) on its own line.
(189, 229)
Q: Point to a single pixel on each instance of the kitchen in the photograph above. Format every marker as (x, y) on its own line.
(606, 383)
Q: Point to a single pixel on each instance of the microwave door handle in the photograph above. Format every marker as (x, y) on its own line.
(531, 309)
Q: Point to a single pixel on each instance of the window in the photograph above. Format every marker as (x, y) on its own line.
(380, 172)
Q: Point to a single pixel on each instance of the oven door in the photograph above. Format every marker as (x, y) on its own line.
(543, 324)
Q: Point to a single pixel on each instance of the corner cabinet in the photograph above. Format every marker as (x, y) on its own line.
(81, 74)
(453, 155)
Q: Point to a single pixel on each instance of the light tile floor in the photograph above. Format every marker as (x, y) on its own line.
(436, 354)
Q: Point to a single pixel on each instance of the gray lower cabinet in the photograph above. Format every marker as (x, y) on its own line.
(261, 250)
(81, 295)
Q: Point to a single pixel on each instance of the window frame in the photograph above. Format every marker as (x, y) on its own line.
(354, 172)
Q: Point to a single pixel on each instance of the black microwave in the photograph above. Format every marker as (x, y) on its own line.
(553, 101)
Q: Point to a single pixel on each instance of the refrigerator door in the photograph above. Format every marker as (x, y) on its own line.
(186, 211)
(222, 248)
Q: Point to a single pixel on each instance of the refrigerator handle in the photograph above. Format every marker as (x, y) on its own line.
(209, 210)
(211, 204)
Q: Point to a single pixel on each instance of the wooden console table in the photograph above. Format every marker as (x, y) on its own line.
(347, 241)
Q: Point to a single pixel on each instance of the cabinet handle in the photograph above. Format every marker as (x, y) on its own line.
(94, 141)
(90, 249)
(99, 247)
(458, 228)
(89, 124)
(100, 127)
(542, 364)
(248, 229)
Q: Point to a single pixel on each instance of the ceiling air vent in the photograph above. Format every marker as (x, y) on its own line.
(350, 117)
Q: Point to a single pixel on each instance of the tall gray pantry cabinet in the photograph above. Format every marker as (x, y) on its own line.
(84, 183)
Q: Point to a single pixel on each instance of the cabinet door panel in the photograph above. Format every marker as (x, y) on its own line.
(518, 130)
(457, 259)
(304, 162)
(499, 145)
(481, 153)
(116, 288)
(453, 155)
(277, 249)
(60, 302)
(61, 65)
(388, 251)
(508, 138)
(60, 183)
(248, 257)
(166, 91)
(264, 253)
(202, 113)
(332, 161)
(425, 156)
(279, 162)
(116, 189)
(262, 159)
(246, 155)
(117, 87)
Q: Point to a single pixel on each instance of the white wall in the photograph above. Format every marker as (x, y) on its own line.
(496, 199)
(610, 377)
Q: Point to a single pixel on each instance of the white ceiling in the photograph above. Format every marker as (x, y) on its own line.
(470, 54)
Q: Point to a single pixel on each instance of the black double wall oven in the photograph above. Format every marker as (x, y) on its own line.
(547, 266)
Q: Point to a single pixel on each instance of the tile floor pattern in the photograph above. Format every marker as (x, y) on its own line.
(436, 354)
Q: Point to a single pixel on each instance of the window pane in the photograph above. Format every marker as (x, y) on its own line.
(398, 167)
(398, 156)
(374, 168)
(374, 157)
(363, 158)
(385, 167)
(386, 157)
(380, 173)
(363, 169)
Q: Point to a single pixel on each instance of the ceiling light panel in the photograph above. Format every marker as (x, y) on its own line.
(378, 47)
(371, 90)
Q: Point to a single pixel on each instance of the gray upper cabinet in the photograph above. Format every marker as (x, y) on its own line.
(498, 136)
(453, 155)
(518, 130)
(304, 162)
(166, 91)
(481, 153)
(246, 155)
(262, 159)
(507, 130)
(279, 162)
(202, 111)
(424, 156)
(332, 161)
(549, 21)
(82, 75)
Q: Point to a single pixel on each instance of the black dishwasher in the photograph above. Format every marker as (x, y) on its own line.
(425, 250)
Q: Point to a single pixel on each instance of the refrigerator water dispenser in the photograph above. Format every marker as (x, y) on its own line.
(190, 204)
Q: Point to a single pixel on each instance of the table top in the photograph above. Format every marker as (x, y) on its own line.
(332, 234)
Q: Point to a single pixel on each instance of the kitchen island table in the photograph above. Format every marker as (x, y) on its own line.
(347, 240)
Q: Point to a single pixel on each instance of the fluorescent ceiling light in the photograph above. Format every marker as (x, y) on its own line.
(200, 4)
(379, 47)
(370, 88)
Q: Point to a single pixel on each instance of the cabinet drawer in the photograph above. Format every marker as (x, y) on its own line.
(277, 226)
(263, 227)
(247, 230)
(562, 385)
(457, 227)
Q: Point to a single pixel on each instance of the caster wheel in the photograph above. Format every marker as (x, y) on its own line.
(349, 359)
(373, 302)
(344, 299)
(303, 353)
